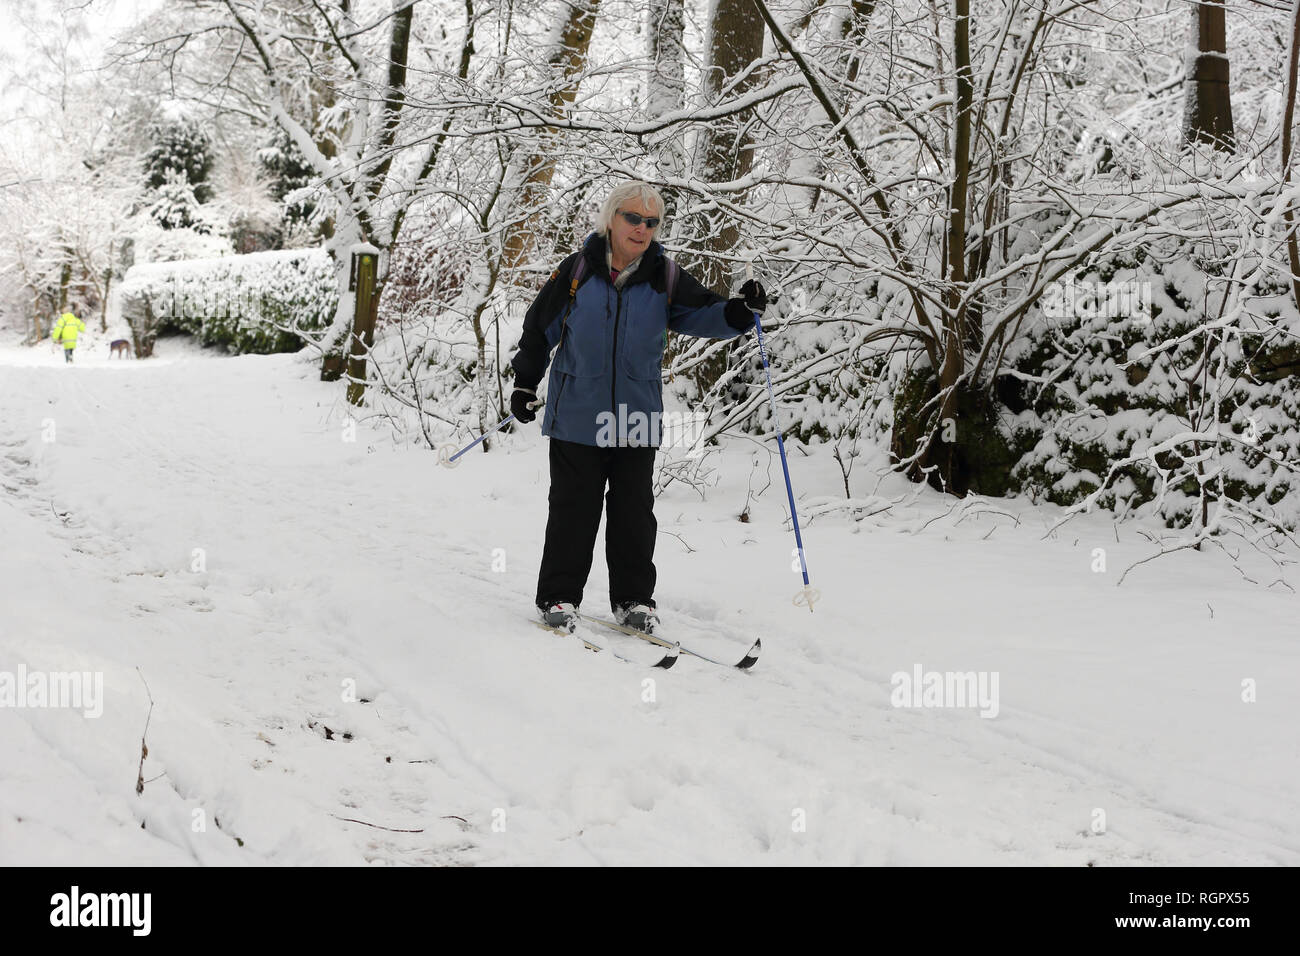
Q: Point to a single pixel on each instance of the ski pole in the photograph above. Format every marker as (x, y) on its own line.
(808, 593)
(451, 461)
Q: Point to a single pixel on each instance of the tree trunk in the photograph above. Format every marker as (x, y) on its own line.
(666, 89)
(395, 95)
(567, 60)
(854, 29)
(726, 153)
(809, 154)
(956, 408)
(65, 279)
(108, 288)
(38, 332)
(1207, 114)
(1288, 120)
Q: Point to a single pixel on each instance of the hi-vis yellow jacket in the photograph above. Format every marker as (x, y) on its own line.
(66, 328)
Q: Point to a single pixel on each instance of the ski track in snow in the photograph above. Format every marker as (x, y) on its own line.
(332, 563)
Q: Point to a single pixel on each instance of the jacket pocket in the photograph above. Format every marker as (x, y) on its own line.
(559, 391)
(644, 395)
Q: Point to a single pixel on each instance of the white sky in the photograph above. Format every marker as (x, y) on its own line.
(88, 26)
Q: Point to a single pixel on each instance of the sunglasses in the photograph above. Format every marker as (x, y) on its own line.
(635, 219)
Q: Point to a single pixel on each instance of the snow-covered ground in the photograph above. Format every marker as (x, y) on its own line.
(203, 525)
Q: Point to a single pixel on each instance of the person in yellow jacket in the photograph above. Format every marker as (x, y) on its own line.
(65, 331)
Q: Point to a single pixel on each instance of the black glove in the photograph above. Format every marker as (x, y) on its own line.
(519, 400)
(740, 312)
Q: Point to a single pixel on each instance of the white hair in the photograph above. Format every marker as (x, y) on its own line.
(621, 194)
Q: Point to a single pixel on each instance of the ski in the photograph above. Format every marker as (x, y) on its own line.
(668, 660)
(745, 663)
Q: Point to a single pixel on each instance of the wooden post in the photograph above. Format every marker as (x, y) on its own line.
(365, 261)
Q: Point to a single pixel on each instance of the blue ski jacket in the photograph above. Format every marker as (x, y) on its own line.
(611, 343)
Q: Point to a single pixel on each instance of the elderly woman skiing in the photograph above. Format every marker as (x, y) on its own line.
(606, 311)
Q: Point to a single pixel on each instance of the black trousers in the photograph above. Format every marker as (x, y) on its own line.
(579, 474)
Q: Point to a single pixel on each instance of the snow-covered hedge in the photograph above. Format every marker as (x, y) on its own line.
(252, 303)
(1153, 371)
(1137, 384)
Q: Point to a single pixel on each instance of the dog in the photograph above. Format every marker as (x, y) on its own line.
(118, 346)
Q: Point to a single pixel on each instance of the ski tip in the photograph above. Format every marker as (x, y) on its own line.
(670, 658)
(751, 658)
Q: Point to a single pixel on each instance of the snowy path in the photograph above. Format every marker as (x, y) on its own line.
(204, 520)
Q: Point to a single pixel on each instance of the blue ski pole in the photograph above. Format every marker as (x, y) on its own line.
(451, 461)
(808, 593)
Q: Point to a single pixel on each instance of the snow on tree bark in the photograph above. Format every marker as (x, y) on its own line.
(666, 84)
(1207, 113)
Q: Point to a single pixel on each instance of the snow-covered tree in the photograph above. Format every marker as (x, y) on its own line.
(73, 148)
(174, 203)
(180, 152)
(291, 181)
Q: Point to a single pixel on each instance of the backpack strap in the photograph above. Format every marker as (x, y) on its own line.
(671, 271)
(578, 270)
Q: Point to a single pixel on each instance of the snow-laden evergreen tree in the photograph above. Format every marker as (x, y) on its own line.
(290, 177)
(181, 144)
(177, 168)
(174, 203)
